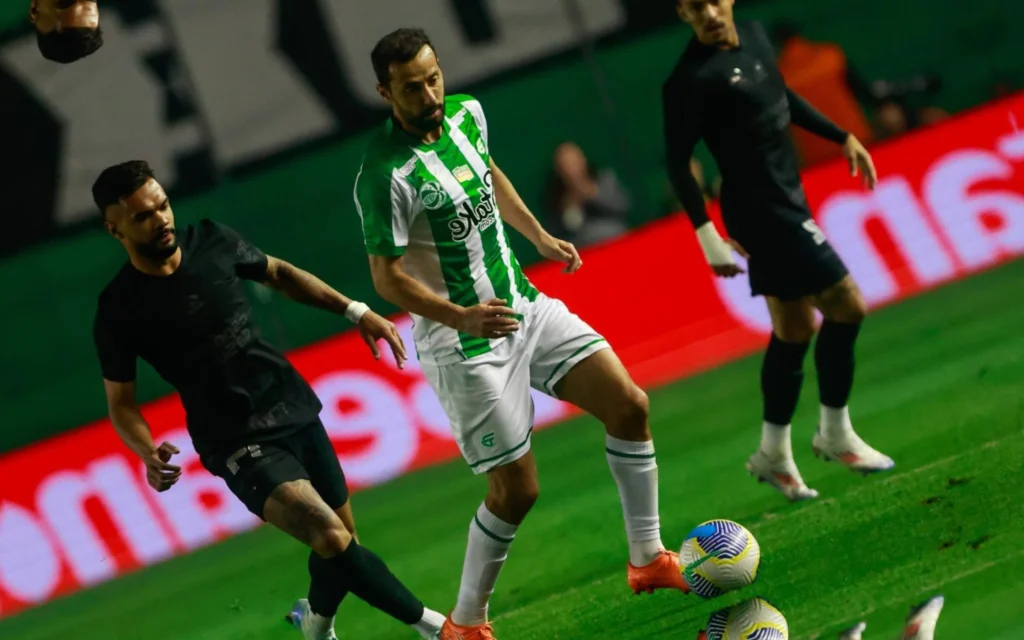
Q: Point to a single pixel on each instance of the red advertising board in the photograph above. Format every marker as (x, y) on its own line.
(75, 510)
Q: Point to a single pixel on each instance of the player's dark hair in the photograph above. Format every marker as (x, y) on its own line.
(397, 47)
(70, 44)
(120, 181)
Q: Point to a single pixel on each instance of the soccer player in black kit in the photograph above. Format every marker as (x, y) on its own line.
(727, 90)
(179, 303)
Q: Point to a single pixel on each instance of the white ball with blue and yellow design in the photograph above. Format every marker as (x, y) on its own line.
(755, 619)
(719, 556)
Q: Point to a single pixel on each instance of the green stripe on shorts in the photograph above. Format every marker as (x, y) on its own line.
(562, 363)
(505, 453)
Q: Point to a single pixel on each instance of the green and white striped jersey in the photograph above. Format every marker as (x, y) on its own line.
(434, 204)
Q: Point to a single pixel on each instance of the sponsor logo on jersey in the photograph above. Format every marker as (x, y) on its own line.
(481, 147)
(432, 195)
(480, 216)
(408, 167)
(463, 173)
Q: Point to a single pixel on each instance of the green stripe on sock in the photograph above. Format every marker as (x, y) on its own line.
(491, 534)
(637, 456)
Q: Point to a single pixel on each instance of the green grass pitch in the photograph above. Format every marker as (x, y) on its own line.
(940, 387)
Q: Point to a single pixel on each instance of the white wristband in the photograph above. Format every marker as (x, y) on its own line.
(355, 311)
(716, 251)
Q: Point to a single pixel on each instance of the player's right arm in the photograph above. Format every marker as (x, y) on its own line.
(118, 365)
(682, 116)
(386, 207)
(491, 319)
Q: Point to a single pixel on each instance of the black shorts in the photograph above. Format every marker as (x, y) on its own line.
(797, 264)
(253, 471)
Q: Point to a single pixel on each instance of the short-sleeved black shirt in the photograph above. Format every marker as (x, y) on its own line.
(195, 327)
(737, 101)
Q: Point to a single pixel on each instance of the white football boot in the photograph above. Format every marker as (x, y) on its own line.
(922, 620)
(312, 626)
(854, 632)
(781, 473)
(848, 448)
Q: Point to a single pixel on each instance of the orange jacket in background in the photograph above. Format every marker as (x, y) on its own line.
(817, 71)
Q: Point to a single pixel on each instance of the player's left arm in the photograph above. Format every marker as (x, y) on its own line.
(304, 287)
(807, 117)
(515, 212)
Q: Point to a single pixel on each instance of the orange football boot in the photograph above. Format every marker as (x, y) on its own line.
(663, 573)
(452, 631)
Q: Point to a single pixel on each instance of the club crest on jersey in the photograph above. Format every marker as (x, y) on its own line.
(432, 195)
(480, 216)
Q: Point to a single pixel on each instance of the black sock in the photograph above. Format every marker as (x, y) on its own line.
(326, 588)
(833, 356)
(370, 579)
(782, 373)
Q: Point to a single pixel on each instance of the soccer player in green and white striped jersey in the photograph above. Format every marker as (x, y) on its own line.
(433, 205)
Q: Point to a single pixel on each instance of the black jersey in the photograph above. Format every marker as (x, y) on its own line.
(195, 327)
(736, 100)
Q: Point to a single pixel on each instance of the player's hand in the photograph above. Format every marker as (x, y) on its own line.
(491, 319)
(560, 251)
(718, 252)
(860, 162)
(731, 269)
(159, 473)
(373, 327)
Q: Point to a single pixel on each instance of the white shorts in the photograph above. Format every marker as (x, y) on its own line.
(487, 398)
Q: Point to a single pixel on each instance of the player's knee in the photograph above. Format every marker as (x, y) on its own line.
(795, 332)
(331, 540)
(857, 311)
(512, 501)
(844, 303)
(631, 412)
(524, 498)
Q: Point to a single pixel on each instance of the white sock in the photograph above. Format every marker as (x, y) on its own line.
(636, 473)
(430, 623)
(489, 540)
(835, 422)
(316, 625)
(775, 440)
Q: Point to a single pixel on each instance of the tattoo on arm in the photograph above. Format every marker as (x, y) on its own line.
(304, 287)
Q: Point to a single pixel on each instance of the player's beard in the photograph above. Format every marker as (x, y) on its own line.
(156, 251)
(425, 122)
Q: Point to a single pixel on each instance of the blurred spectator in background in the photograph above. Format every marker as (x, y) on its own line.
(893, 118)
(1003, 88)
(584, 205)
(820, 73)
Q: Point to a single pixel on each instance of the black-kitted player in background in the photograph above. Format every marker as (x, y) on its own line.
(179, 304)
(727, 90)
(66, 30)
